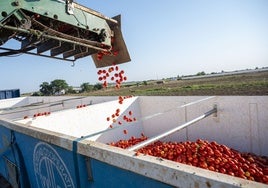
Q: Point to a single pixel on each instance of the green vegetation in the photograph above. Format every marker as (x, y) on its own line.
(60, 87)
(205, 89)
(86, 87)
(55, 87)
(241, 84)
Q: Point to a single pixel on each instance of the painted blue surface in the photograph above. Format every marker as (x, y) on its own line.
(11, 93)
(45, 165)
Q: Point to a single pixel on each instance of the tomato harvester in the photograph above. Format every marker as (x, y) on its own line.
(61, 29)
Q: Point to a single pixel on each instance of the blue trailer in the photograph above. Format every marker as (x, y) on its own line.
(10, 93)
(31, 162)
(68, 146)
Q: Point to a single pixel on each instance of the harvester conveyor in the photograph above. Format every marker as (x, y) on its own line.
(68, 30)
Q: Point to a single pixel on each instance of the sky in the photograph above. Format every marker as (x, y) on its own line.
(164, 39)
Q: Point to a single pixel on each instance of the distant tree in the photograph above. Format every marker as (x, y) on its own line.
(46, 89)
(58, 85)
(36, 94)
(145, 83)
(200, 73)
(70, 90)
(86, 87)
(97, 86)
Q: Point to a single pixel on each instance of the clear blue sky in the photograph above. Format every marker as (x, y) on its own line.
(164, 39)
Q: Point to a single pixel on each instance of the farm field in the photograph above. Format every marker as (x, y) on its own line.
(255, 83)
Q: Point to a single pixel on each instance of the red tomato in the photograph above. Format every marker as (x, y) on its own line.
(265, 179)
(211, 156)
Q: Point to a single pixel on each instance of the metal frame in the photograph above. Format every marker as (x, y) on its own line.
(68, 30)
(171, 131)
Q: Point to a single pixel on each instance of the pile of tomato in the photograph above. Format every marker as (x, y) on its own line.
(207, 155)
(130, 142)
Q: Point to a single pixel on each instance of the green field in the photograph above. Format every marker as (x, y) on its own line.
(241, 84)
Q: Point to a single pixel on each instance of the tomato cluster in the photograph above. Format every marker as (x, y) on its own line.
(114, 73)
(127, 118)
(128, 143)
(111, 52)
(122, 98)
(81, 106)
(207, 155)
(39, 114)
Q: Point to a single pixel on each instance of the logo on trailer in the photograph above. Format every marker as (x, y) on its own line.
(50, 170)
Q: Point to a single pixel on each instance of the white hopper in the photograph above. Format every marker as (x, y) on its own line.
(240, 122)
(89, 120)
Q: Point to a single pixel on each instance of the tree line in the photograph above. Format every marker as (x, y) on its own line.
(59, 86)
